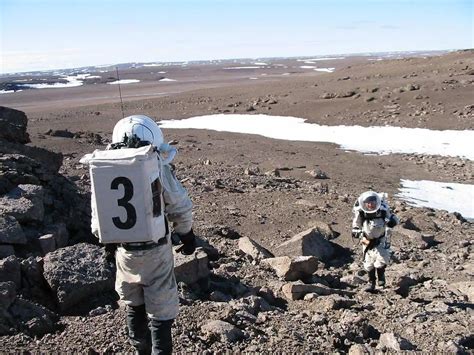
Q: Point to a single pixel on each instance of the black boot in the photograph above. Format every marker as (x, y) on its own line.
(381, 276)
(161, 336)
(138, 331)
(371, 286)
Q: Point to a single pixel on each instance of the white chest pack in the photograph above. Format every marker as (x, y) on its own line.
(126, 195)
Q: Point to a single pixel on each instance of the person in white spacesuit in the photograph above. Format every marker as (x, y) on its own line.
(372, 222)
(145, 279)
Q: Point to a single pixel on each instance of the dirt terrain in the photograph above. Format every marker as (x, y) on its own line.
(270, 190)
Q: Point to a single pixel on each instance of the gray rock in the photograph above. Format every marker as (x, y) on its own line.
(60, 233)
(353, 280)
(47, 243)
(191, 268)
(6, 250)
(310, 296)
(7, 294)
(218, 296)
(360, 349)
(465, 288)
(310, 242)
(392, 341)
(36, 320)
(296, 291)
(25, 203)
(268, 295)
(292, 269)
(251, 304)
(10, 270)
(10, 231)
(226, 332)
(335, 302)
(319, 319)
(97, 311)
(76, 273)
(252, 248)
(33, 284)
(452, 347)
(318, 174)
(439, 307)
(13, 125)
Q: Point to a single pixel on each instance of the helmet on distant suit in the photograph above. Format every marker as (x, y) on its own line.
(369, 201)
(143, 127)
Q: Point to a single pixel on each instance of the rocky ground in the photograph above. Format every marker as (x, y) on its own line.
(251, 194)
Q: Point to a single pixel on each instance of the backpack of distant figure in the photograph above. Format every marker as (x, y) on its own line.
(126, 195)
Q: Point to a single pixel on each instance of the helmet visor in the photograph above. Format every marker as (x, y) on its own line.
(370, 204)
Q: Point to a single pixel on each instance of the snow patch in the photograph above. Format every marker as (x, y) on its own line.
(167, 79)
(124, 81)
(231, 68)
(379, 140)
(326, 70)
(452, 197)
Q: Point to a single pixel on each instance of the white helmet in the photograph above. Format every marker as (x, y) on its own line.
(370, 202)
(142, 126)
(146, 130)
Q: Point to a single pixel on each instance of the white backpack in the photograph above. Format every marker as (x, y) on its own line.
(126, 195)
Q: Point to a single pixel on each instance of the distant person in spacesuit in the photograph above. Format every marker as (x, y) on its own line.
(371, 224)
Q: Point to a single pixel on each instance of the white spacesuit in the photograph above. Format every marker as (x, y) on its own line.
(145, 279)
(372, 220)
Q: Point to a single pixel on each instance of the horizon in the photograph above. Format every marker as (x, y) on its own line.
(361, 54)
(44, 35)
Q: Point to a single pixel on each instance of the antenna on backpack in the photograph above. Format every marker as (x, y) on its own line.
(120, 91)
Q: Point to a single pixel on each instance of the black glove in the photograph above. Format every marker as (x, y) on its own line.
(189, 243)
(356, 232)
(109, 253)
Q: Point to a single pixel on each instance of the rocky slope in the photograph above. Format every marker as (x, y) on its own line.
(251, 195)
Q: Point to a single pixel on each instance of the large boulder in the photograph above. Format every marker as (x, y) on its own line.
(13, 125)
(10, 270)
(10, 231)
(32, 318)
(7, 294)
(33, 284)
(292, 269)
(313, 242)
(76, 273)
(25, 203)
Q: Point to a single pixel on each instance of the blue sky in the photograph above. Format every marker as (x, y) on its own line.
(51, 34)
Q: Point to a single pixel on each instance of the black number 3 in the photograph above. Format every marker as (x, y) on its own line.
(124, 202)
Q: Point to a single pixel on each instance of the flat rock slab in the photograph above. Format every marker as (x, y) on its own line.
(313, 242)
(77, 272)
(292, 269)
(297, 291)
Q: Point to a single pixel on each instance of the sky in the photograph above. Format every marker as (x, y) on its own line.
(54, 34)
